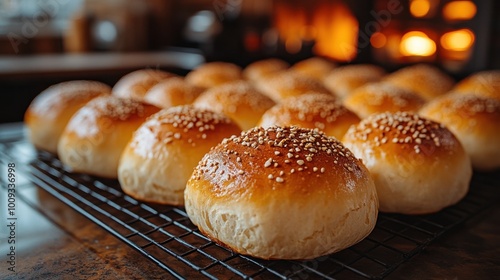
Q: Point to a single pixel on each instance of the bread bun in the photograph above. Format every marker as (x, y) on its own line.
(50, 111)
(172, 92)
(316, 111)
(418, 165)
(315, 67)
(426, 80)
(382, 97)
(484, 83)
(259, 70)
(97, 134)
(475, 121)
(163, 152)
(282, 193)
(288, 84)
(238, 100)
(214, 74)
(135, 84)
(343, 80)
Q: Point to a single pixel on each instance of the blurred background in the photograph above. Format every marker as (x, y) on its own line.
(43, 42)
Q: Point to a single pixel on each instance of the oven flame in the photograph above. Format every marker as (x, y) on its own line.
(417, 43)
(330, 24)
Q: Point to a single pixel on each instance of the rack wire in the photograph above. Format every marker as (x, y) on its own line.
(165, 235)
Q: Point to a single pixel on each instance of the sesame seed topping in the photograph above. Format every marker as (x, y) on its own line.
(268, 163)
(300, 162)
(279, 180)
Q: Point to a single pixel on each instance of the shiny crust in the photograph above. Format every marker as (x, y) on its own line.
(475, 120)
(172, 92)
(259, 70)
(50, 111)
(427, 81)
(343, 80)
(484, 83)
(382, 97)
(288, 84)
(316, 67)
(282, 193)
(316, 111)
(238, 100)
(214, 74)
(418, 165)
(137, 83)
(163, 152)
(96, 135)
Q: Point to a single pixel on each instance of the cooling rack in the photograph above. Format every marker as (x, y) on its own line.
(165, 235)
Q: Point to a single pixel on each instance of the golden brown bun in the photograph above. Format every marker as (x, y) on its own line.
(343, 80)
(475, 121)
(316, 67)
(288, 84)
(382, 97)
(238, 100)
(97, 134)
(50, 111)
(259, 70)
(135, 84)
(484, 83)
(427, 81)
(214, 74)
(172, 92)
(318, 111)
(282, 193)
(418, 165)
(163, 152)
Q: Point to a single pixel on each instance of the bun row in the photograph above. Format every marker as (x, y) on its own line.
(279, 161)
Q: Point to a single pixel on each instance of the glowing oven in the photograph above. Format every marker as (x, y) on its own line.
(454, 34)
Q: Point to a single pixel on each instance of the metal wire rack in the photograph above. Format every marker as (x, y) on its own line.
(166, 236)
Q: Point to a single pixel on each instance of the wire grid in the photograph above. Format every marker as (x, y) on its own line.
(165, 235)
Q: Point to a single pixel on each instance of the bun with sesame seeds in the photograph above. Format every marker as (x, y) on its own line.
(483, 83)
(314, 67)
(282, 193)
(96, 135)
(50, 112)
(427, 81)
(161, 156)
(316, 111)
(238, 100)
(259, 70)
(214, 74)
(172, 92)
(382, 97)
(475, 120)
(344, 79)
(137, 83)
(287, 84)
(418, 165)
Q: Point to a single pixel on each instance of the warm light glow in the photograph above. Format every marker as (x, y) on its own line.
(337, 31)
(420, 8)
(416, 43)
(378, 40)
(459, 10)
(458, 40)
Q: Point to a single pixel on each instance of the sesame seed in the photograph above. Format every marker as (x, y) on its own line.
(300, 162)
(241, 172)
(268, 162)
(270, 176)
(277, 153)
(279, 180)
